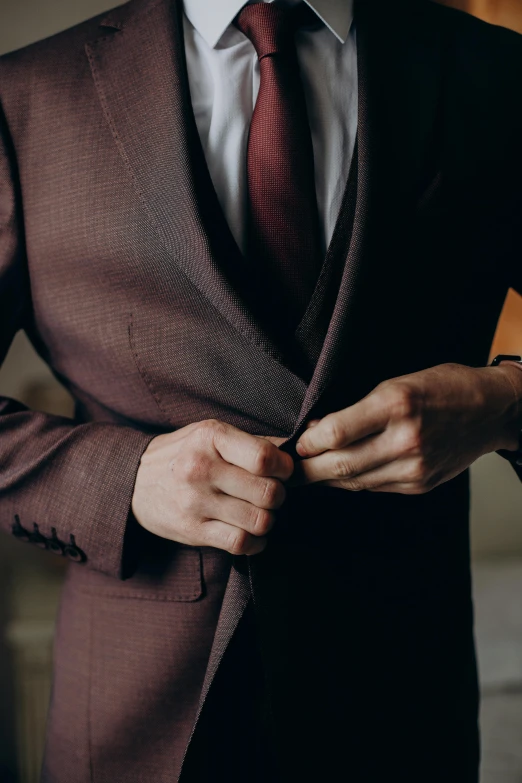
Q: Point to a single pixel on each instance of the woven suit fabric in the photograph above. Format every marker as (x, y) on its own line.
(283, 218)
(115, 258)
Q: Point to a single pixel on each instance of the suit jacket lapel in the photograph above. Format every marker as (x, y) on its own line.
(140, 76)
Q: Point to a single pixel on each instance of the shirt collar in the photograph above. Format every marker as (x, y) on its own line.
(212, 19)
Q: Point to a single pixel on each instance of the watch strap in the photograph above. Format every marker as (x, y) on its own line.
(515, 457)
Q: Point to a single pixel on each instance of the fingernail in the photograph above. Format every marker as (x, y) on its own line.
(300, 449)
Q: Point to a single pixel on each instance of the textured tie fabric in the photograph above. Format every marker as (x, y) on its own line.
(283, 221)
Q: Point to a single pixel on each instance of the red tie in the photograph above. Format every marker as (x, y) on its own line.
(283, 235)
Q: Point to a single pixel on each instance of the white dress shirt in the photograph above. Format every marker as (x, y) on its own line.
(223, 72)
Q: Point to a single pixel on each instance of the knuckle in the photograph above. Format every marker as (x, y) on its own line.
(343, 468)
(272, 494)
(262, 521)
(354, 485)
(263, 457)
(401, 401)
(418, 472)
(194, 467)
(411, 440)
(209, 428)
(208, 425)
(236, 542)
(382, 388)
(333, 432)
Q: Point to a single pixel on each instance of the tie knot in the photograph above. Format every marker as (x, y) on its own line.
(271, 26)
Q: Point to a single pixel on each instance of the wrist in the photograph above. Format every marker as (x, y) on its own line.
(511, 374)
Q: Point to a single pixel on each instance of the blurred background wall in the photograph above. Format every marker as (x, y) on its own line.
(507, 13)
(30, 579)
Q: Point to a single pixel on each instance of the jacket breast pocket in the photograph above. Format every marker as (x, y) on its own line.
(166, 571)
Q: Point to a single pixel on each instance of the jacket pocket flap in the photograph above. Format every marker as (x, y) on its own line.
(167, 571)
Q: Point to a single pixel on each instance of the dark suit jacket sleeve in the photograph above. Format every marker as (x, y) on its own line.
(77, 479)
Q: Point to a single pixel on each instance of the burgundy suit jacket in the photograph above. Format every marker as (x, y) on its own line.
(116, 260)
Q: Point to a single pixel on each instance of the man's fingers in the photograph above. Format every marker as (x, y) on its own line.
(262, 491)
(366, 455)
(239, 513)
(339, 429)
(405, 473)
(256, 455)
(230, 538)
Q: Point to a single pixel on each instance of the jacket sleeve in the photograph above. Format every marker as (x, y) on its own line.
(63, 486)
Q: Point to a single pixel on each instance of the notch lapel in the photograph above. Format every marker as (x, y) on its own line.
(140, 75)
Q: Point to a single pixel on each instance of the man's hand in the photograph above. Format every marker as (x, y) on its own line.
(210, 484)
(414, 432)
